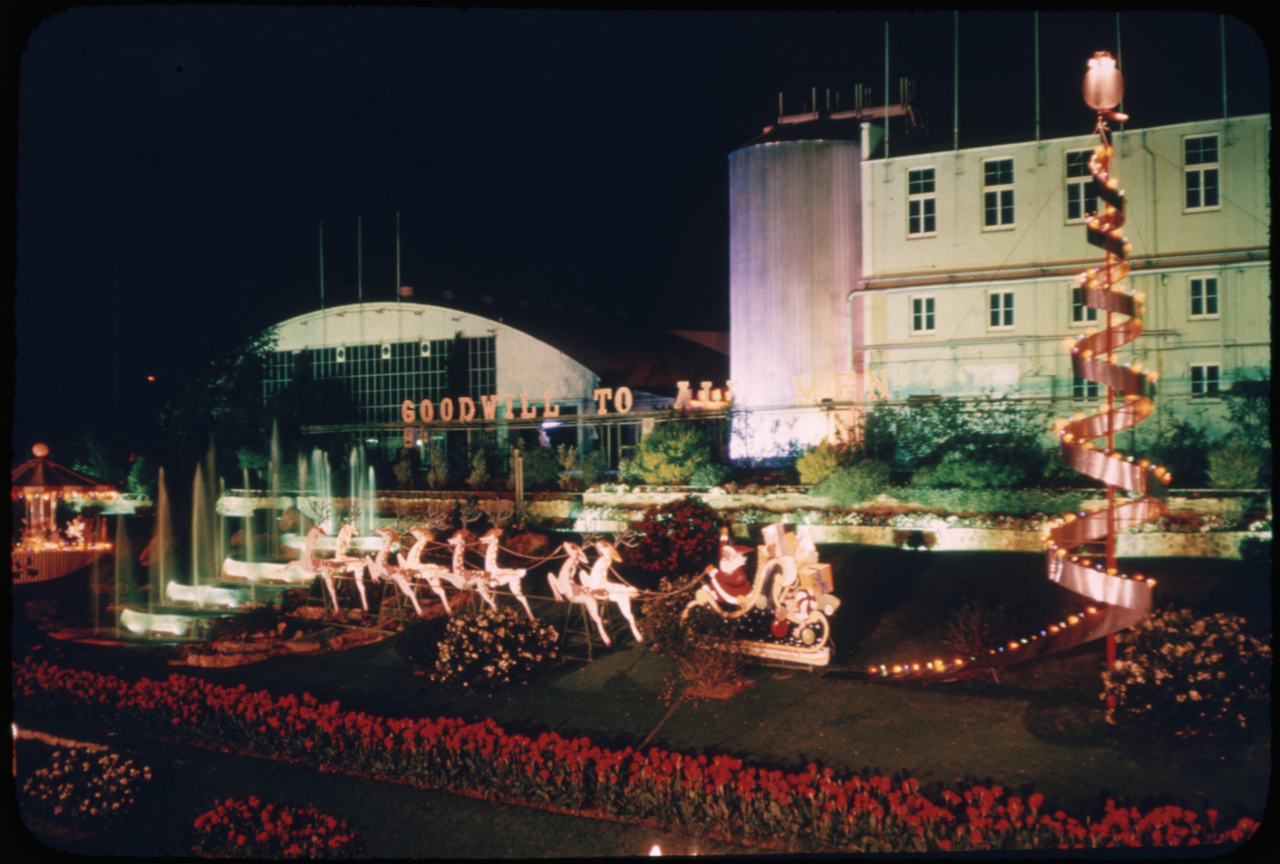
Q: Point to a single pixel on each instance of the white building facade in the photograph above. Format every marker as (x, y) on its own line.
(967, 266)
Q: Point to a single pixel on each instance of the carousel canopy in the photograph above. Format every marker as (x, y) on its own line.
(42, 475)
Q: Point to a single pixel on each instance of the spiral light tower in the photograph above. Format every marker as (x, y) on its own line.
(1093, 358)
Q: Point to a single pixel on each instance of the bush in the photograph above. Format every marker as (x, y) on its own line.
(1235, 466)
(577, 472)
(492, 648)
(817, 463)
(975, 628)
(678, 538)
(696, 645)
(84, 788)
(1184, 676)
(710, 474)
(541, 469)
(1256, 550)
(402, 469)
(418, 644)
(854, 485)
(245, 624)
(670, 454)
(995, 502)
(964, 469)
(1183, 448)
(479, 471)
(438, 473)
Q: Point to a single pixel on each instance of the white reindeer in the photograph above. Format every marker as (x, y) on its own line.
(351, 565)
(465, 579)
(510, 577)
(433, 574)
(313, 566)
(565, 587)
(597, 582)
(378, 569)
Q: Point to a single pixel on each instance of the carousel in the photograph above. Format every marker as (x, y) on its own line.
(44, 550)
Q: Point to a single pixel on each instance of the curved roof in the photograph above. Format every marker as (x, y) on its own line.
(42, 474)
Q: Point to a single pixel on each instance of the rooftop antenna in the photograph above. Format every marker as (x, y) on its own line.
(322, 266)
(1035, 18)
(359, 260)
(886, 90)
(397, 256)
(955, 105)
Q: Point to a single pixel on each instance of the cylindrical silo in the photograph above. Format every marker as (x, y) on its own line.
(795, 247)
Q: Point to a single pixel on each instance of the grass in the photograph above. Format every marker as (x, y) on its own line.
(1039, 730)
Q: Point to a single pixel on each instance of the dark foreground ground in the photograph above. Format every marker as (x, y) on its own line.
(1039, 730)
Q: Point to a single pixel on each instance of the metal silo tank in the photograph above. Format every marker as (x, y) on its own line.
(794, 256)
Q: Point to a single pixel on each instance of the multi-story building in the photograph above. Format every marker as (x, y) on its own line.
(966, 263)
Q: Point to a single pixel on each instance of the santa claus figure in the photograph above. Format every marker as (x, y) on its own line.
(729, 580)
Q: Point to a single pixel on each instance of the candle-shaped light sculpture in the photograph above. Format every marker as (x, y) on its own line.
(1093, 358)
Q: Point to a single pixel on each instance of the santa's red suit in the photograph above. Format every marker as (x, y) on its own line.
(727, 581)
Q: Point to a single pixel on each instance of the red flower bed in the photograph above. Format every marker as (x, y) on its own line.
(251, 829)
(677, 538)
(717, 795)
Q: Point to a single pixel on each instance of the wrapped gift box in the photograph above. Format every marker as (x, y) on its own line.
(816, 578)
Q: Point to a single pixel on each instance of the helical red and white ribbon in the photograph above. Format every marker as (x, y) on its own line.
(1093, 358)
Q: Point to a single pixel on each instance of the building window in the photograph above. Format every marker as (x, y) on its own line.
(1083, 388)
(922, 315)
(1204, 298)
(997, 196)
(921, 203)
(1201, 168)
(1082, 189)
(1080, 313)
(1204, 379)
(1001, 306)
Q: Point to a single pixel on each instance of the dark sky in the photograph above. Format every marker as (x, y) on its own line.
(174, 162)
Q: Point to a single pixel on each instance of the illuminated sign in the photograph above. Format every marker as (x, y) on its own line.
(841, 387)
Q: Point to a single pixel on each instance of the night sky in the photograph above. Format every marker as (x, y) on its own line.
(174, 162)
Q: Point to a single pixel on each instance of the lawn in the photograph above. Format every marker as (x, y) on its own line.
(1038, 730)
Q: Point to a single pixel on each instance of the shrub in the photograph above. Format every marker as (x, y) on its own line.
(1256, 550)
(1182, 448)
(479, 471)
(696, 645)
(493, 648)
(1184, 676)
(964, 469)
(418, 644)
(1235, 466)
(403, 468)
(84, 788)
(817, 463)
(856, 484)
(577, 471)
(670, 454)
(541, 470)
(995, 502)
(677, 538)
(438, 473)
(251, 829)
(975, 628)
(710, 474)
(245, 624)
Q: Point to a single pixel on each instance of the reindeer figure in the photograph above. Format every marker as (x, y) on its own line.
(351, 565)
(512, 578)
(308, 563)
(433, 574)
(565, 587)
(597, 582)
(466, 579)
(378, 569)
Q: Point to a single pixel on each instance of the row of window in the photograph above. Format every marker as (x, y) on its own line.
(1200, 178)
(379, 378)
(1000, 311)
(1205, 378)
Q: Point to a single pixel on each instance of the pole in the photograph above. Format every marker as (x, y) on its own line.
(886, 90)
(1035, 17)
(322, 266)
(359, 260)
(1222, 39)
(955, 77)
(397, 256)
(1119, 62)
